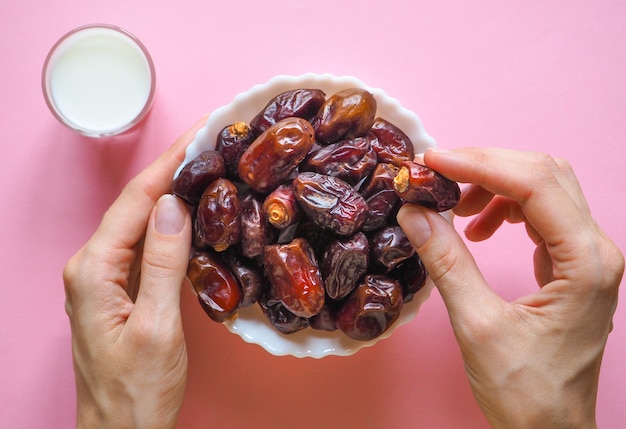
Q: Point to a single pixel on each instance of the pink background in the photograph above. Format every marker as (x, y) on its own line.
(539, 75)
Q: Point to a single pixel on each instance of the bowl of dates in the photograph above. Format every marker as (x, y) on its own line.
(294, 188)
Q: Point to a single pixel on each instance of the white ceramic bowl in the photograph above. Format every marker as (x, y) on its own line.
(250, 323)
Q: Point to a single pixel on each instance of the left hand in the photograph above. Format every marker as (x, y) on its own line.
(123, 300)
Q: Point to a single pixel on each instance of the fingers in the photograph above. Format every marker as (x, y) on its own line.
(165, 258)
(449, 264)
(124, 224)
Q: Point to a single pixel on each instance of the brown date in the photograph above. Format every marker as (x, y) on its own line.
(256, 232)
(197, 174)
(380, 196)
(281, 208)
(421, 185)
(232, 142)
(330, 202)
(350, 160)
(218, 291)
(371, 308)
(346, 114)
(295, 277)
(343, 264)
(279, 316)
(248, 277)
(276, 153)
(390, 246)
(412, 275)
(392, 144)
(301, 103)
(218, 216)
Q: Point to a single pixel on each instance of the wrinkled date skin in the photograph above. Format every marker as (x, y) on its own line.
(281, 208)
(248, 277)
(256, 232)
(279, 316)
(217, 289)
(421, 185)
(371, 308)
(380, 196)
(344, 262)
(218, 216)
(412, 275)
(330, 202)
(350, 160)
(295, 277)
(275, 154)
(389, 247)
(346, 114)
(197, 174)
(300, 103)
(232, 142)
(392, 144)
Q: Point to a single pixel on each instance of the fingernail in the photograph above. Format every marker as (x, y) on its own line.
(415, 225)
(170, 215)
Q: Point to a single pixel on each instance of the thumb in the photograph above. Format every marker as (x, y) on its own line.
(449, 264)
(165, 257)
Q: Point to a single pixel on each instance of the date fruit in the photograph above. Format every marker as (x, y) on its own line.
(344, 262)
(346, 114)
(217, 289)
(389, 247)
(350, 160)
(279, 316)
(392, 144)
(295, 277)
(330, 202)
(276, 153)
(300, 103)
(232, 142)
(218, 216)
(380, 196)
(197, 174)
(421, 185)
(281, 208)
(248, 277)
(256, 232)
(371, 308)
(412, 275)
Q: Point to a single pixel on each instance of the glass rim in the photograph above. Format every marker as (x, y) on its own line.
(71, 125)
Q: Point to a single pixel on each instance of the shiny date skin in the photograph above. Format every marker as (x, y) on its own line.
(379, 193)
(294, 275)
(389, 247)
(217, 290)
(350, 160)
(392, 144)
(256, 231)
(300, 103)
(421, 185)
(412, 275)
(344, 263)
(218, 216)
(197, 174)
(275, 154)
(330, 202)
(279, 316)
(371, 308)
(248, 276)
(232, 141)
(346, 114)
(280, 207)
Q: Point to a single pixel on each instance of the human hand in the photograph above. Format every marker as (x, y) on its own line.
(123, 300)
(533, 362)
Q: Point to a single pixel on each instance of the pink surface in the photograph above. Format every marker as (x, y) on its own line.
(541, 75)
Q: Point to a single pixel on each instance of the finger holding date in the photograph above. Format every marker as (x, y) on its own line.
(294, 212)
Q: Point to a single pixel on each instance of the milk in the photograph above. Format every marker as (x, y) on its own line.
(99, 80)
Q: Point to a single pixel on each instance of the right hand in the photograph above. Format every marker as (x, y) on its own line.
(533, 362)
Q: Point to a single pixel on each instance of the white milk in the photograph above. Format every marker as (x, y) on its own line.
(99, 80)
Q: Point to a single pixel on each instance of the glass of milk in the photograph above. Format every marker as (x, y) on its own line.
(99, 80)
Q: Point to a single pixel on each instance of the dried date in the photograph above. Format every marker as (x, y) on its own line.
(232, 142)
(197, 174)
(392, 144)
(218, 291)
(275, 154)
(279, 316)
(300, 103)
(256, 232)
(346, 114)
(380, 196)
(330, 202)
(421, 185)
(281, 208)
(248, 277)
(344, 262)
(389, 247)
(218, 216)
